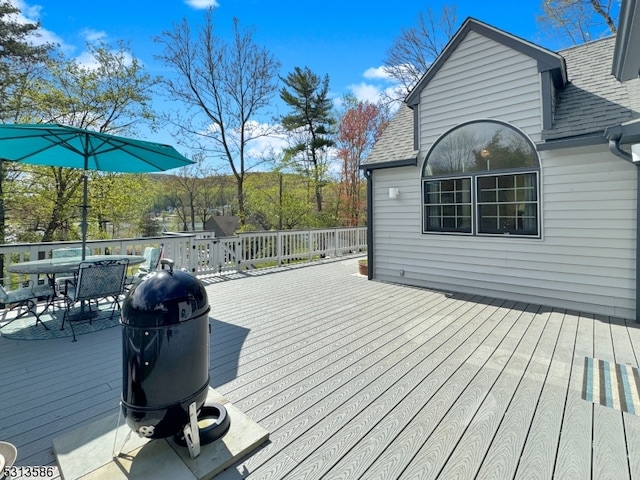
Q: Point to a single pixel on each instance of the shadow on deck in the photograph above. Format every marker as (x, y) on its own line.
(359, 379)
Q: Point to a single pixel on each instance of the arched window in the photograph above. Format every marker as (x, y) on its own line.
(482, 178)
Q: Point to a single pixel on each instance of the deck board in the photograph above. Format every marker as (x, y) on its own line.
(507, 415)
(358, 379)
(394, 392)
(574, 459)
(537, 460)
(509, 354)
(609, 445)
(360, 383)
(624, 354)
(331, 372)
(429, 401)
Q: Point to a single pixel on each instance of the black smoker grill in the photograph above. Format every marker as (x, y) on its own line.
(165, 349)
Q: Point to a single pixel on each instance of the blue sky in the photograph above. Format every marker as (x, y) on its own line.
(343, 38)
(346, 39)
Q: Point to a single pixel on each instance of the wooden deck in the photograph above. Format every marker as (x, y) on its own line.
(358, 379)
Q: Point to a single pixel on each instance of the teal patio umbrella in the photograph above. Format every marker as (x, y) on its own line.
(64, 146)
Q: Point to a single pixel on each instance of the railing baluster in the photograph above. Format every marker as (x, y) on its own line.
(202, 253)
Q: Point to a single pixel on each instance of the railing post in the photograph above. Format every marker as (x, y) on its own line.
(189, 250)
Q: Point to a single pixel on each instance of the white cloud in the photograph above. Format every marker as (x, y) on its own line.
(88, 61)
(266, 140)
(378, 85)
(262, 146)
(202, 4)
(379, 73)
(31, 14)
(29, 11)
(91, 35)
(366, 92)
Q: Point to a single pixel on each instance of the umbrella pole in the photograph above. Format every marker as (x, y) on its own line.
(83, 227)
(85, 206)
(83, 224)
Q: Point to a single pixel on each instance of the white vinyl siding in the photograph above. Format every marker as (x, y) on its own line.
(585, 261)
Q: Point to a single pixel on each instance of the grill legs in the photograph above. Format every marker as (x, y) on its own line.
(191, 432)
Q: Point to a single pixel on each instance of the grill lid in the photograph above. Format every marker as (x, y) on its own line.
(164, 297)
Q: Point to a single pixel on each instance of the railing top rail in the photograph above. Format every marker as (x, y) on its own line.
(196, 253)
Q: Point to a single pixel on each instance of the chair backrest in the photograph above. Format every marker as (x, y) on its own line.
(100, 279)
(69, 252)
(152, 258)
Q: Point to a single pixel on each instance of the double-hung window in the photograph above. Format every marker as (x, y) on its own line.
(482, 178)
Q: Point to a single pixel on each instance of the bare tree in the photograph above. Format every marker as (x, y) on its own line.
(222, 87)
(186, 189)
(417, 47)
(453, 154)
(579, 20)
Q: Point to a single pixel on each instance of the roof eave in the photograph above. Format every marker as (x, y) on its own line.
(628, 132)
(587, 140)
(408, 162)
(626, 56)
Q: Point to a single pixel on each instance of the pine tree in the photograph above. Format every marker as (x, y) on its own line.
(312, 123)
(19, 61)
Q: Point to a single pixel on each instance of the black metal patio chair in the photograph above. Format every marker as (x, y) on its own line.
(62, 253)
(94, 281)
(25, 296)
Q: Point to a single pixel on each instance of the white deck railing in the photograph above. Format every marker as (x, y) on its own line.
(201, 253)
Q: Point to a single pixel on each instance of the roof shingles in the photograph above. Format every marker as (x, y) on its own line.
(396, 142)
(591, 101)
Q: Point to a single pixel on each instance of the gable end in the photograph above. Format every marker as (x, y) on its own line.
(547, 60)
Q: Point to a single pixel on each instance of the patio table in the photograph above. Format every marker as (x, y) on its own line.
(51, 266)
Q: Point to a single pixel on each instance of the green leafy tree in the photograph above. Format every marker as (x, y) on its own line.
(311, 124)
(215, 188)
(149, 225)
(222, 87)
(20, 60)
(117, 200)
(112, 95)
(359, 128)
(279, 199)
(27, 204)
(180, 210)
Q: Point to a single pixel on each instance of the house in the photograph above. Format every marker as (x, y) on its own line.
(223, 225)
(626, 60)
(509, 172)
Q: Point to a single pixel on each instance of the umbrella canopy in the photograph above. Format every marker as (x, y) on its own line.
(64, 146)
